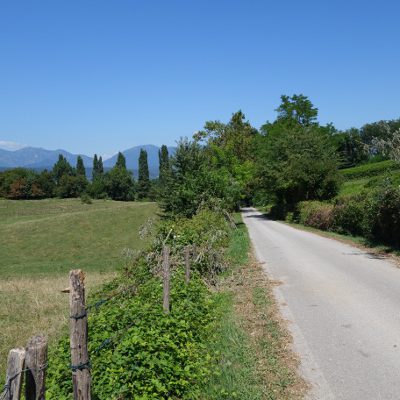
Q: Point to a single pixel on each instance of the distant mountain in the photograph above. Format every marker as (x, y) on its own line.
(39, 159)
(132, 158)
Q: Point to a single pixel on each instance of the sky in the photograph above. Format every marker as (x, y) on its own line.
(98, 76)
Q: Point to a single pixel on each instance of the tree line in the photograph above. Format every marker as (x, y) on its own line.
(286, 161)
(66, 181)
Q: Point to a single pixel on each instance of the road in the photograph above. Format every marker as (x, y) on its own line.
(343, 308)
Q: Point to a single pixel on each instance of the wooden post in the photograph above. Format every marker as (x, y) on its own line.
(81, 379)
(166, 277)
(14, 376)
(187, 265)
(35, 364)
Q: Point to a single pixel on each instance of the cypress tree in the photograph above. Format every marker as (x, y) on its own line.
(164, 164)
(144, 179)
(100, 166)
(95, 167)
(121, 162)
(80, 168)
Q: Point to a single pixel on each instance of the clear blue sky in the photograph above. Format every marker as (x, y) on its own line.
(102, 76)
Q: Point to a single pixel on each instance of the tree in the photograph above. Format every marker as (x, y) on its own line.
(164, 164)
(80, 168)
(144, 178)
(100, 169)
(231, 147)
(298, 109)
(193, 184)
(62, 167)
(95, 170)
(296, 164)
(121, 161)
(119, 184)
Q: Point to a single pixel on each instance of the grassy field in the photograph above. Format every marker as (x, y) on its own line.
(368, 176)
(41, 241)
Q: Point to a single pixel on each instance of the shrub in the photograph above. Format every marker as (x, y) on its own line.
(315, 214)
(86, 199)
(386, 215)
(350, 215)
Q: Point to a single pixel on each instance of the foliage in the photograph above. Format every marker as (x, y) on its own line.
(164, 164)
(86, 199)
(136, 350)
(230, 149)
(71, 186)
(143, 187)
(21, 183)
(80, 167)
(296, 164)
(193, 184)
(62, 167)
(119, 183)
(121, 161)
(297, 109)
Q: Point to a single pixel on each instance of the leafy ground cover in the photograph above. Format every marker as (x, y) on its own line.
(41, 241)
(205, 348)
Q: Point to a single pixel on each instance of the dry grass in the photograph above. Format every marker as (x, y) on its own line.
(31, 306)
(258, 315)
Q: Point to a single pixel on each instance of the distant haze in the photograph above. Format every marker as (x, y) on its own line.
(39, 159)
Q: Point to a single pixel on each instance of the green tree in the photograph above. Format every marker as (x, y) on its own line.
(95, 169)
(164, 164)
(298, 109)
(231, 147)
(119, 184)
(144, 178)
(80, 167)
(193, 184)
(62, 167)
(100, 168)
(121, 161)
(296, 164)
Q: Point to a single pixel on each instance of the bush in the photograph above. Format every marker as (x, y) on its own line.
(350, 215)
(386, 215)
(315, 214)
(86, 199)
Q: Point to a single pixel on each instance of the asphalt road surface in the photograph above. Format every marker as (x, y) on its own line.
(343, 308)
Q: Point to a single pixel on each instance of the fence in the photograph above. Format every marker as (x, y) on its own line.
(26, 367)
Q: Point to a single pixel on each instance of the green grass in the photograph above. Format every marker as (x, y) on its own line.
(370, 170)
(52, 236)
(368, 176)
(251, 345)
(40, 242)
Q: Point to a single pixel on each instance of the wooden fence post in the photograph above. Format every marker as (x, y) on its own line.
(14, 376)
(166, 271)
(80, 365)
(187, 265)
(35, 365)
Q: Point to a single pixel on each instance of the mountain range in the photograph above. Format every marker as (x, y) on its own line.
(39, 159)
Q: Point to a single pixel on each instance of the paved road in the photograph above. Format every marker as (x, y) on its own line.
(343, 305)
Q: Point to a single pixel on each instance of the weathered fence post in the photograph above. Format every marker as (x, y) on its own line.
(35, 365)
(14, 376)
(166, 276)
(80, 364)
(187, 265)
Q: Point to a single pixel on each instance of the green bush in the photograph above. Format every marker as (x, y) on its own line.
(136, 350)
(386, 215)
(315, 214)
(370, 170)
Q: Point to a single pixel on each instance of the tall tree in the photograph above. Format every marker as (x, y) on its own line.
(62, 167)
(100, 166)
(80, 167)
(95, 167)
(144, 178)
(164, 164)
(121, 161)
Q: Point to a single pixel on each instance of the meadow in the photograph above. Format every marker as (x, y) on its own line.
(41, 241)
